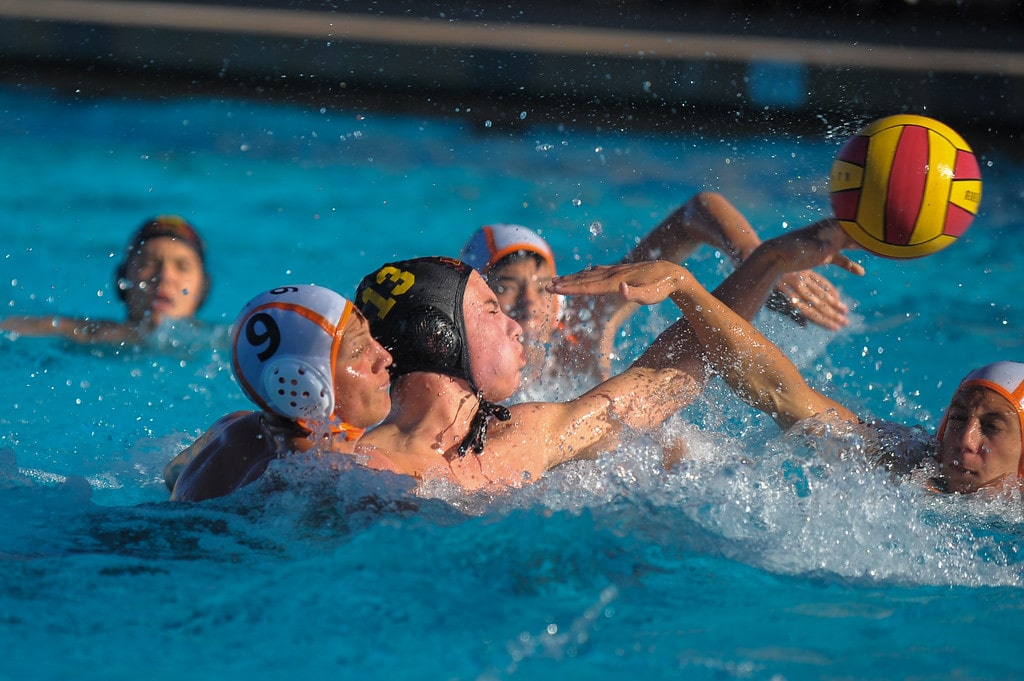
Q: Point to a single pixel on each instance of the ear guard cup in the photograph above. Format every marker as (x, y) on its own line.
(297, 389)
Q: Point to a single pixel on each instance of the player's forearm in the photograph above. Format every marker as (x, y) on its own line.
(747, 288)
(77, 330)
(756, 370)
(39, 326)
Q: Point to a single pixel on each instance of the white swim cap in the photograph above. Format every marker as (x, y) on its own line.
(491, 243)
(1006, 379)
(284, 346)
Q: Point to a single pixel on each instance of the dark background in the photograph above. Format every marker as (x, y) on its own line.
(791, 65)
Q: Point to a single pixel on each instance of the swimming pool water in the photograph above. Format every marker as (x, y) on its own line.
(763, 557)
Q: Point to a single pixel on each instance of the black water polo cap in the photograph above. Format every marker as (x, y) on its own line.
(414, 308)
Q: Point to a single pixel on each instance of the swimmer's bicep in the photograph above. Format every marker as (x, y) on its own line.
(568, 431)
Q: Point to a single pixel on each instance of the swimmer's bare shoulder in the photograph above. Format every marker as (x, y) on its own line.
(231, 454)
(898, 448)
(176, 465)
(380, 458)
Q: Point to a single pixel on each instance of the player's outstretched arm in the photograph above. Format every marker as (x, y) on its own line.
(754, 368)
(76, 330)
(709, 218)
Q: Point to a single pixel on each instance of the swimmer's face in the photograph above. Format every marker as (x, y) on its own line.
(981, 446)
(361, 381)
(495, 349)
(519, 284)
(166, 280)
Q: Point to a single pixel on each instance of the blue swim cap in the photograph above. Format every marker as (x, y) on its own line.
(284, 345)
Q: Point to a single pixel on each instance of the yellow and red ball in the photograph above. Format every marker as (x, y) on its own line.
(905, 186)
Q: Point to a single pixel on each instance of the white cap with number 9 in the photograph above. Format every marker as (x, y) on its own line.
(284, 345)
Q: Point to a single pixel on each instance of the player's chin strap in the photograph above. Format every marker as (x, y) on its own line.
(335, 426)
(476, 438)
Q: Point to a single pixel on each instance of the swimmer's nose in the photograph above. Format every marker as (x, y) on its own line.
(159, 272)
(530, 294)
(384, 359)
(970, 437)
(530, 302)
(517, 329)
(528, 317)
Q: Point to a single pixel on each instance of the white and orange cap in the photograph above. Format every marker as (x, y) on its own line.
(284, 345)
(1006, 379)
(491, 243)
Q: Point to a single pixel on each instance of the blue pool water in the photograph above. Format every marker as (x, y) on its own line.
(763, 557)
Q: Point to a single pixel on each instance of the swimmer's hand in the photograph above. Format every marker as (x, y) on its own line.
(806, 296)
(644, 283)
(801, 293)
